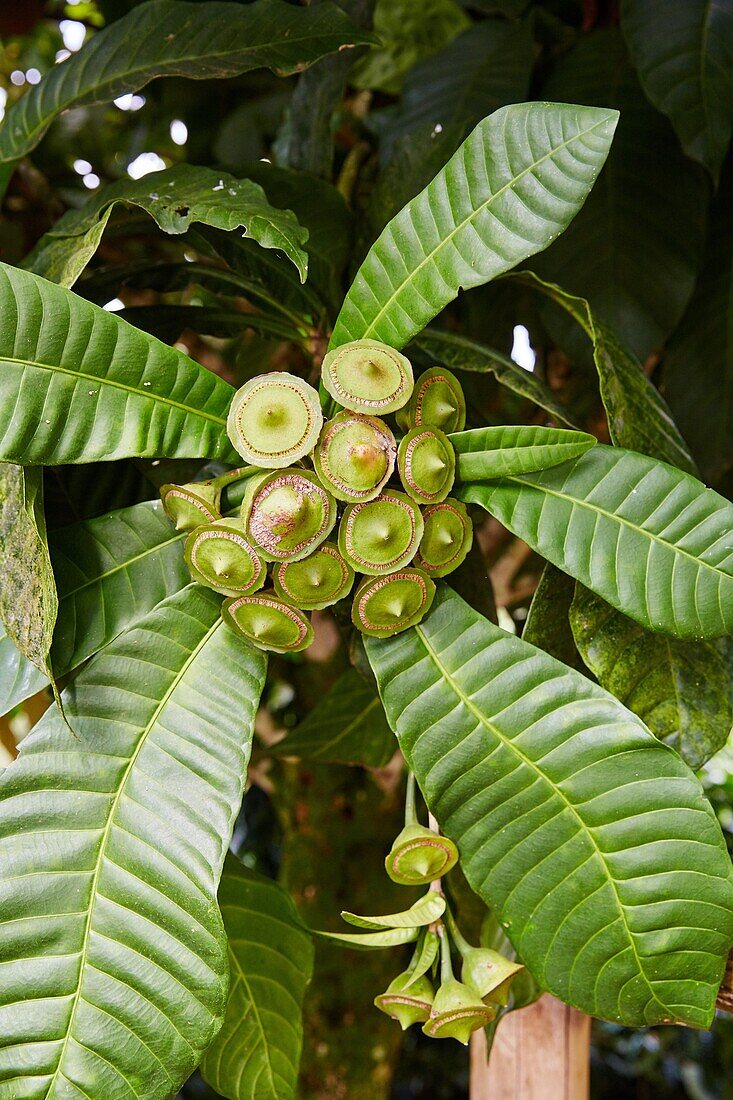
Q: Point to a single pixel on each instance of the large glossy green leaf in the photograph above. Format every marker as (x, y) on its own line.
(175, 198)
(649, 539)
(548, 623)
(175, 38)
(515, 183)
(80, 385)
(19, 677)
(680, 689)
(488, 453)
(683, 52)
(592, 841)
(115, 970)
(255, 1056)
(347, 726)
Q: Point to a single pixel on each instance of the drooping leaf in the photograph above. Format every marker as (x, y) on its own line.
(255, 1056)
(683, 52)
(548, 621)
(19, 677)
(373, 941)
(592, 841)
(167, 322)
(175, 198)
(28, 600)
(119, 986)
(678, 688)
(487, 453)
(175, 38)
(430, 907)
(84, 386)
(348, 726)
(649, 539)
(523, 991)
(514, 184)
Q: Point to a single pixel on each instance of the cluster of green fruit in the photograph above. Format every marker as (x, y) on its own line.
(306, 476)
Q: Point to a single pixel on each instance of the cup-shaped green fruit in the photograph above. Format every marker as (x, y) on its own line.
(188, 506)
(457, 1012)
(315, 582)
(219, 556)
(419, 856)
(437, 401)
(446, 539)
(274, 420)
(355, 456)
(381, 535)
(427, 464)
(407, 1006)
(384, 606)
(287, 514)
(489, 973)
(268, 622)
(368, 377)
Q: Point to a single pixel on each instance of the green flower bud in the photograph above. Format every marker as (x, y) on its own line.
(274, 420)
(381, 535)
(420, 856)
(489, 973)
(446, 539)
(287, 514)
(315, 582)
(268, 622)
(219, 556)
(437, 401)
(355, 456)
(368, 377)
(457, 1012)
(407, 1006)
(427, 465)
(188, 506)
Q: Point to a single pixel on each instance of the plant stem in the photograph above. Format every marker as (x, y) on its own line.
(410, 814)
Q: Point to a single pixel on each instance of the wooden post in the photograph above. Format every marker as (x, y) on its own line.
(540, 1053)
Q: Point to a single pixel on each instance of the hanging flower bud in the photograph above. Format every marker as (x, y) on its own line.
(384, 606)
(419, 856)
(355, 456)
(381, 535)
(427, 465)
(268, 622)
(219, 556)
(274, 420)
(315, 582)
(446, 539)
(287, 514)
(407, 1006)
(437, 401)
(489, 973)
(188, 506)
(457, 1012)
(368, 377)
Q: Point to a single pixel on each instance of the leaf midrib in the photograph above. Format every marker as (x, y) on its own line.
(326, 745)
(241, 977)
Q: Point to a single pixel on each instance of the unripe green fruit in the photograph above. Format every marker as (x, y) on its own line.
(355, 456)
(489, 973)
(287, 514)
(437, 401)
(381, 535)
(411, 1006)
(188, 506)
(315, 582)
(427, 465)
(419, 856)
(219, 556)
(457, 1012)
(268, 622)
(368, 377)
(446, 539)
(274, 420)
(384, 606)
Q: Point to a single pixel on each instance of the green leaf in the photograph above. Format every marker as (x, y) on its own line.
(373, 941)
(427, 952)
(174, 38)
(460, 353)
(175, 198)
(683, 52)
(593, 842)
(115, 965)
(548, 626)
(487, 453)
(530, 167)
(678, 688)
(348, 726)
(255, 1056)
(28, 600)
(19, 677)
(430, 907)
(85, 386)
(649, 539)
